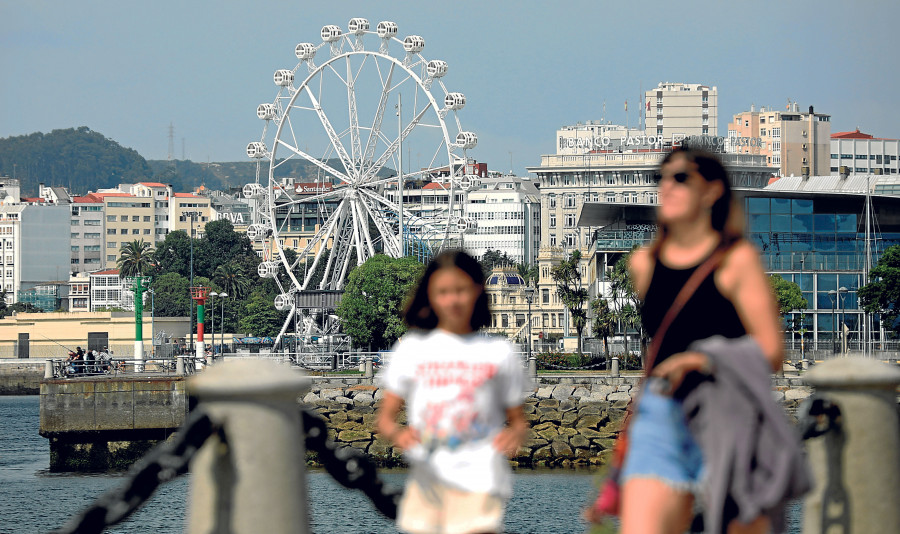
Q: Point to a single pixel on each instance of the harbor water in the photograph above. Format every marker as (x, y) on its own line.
(33, 500)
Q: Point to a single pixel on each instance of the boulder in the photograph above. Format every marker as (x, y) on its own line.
(588, 409)
(562, 392)
(544, 392)
(338, 418)
(619, 396)
(548, 433)
(354, 415)
(567, 405)
(554, 416)
(563, 431)
(331, 393)
(569, 418)
(310, 398)
(544, 453)
(380, 448)
(589, 433)
(561, 449)
(581, 391)
(344, 400)
(349, 436)
(600, 392)
(591, 421)
(549, 403)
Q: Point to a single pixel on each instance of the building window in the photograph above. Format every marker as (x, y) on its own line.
(123, 218)
(610, 179)
(571, 239)
(552, 240)
(545, 296)
(776, 133)
(552, 200)
(570, 200)
(552, 220)
(610, 197)
(135, 231)
(110, 244)
(110, 257)
(110, 218)
(75, 222)
(570, 220)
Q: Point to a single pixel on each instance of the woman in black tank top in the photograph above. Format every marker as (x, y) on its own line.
(663, 464)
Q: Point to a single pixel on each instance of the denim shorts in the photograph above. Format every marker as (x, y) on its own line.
(660, 446)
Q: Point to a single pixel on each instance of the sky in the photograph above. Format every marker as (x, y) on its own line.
(128, 69)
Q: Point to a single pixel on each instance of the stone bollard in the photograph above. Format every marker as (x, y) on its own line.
(614, 367)
(856, 463)
(48, 368)
(532, 367)
(257, 481)
(179, 365)
(369, 368)
(804, 364)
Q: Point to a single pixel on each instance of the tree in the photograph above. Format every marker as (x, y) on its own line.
(882, 294)
(371, 304)
(173, 254)
(135, 259)
(626, 303)
(494, 258)
(260, 318)
(567, 275)
(788, 295)
(232, 279)
(171, 295)
(529, 273)
(604, 323)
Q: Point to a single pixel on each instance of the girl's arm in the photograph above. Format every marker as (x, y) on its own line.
(386, 422)
(510, 438)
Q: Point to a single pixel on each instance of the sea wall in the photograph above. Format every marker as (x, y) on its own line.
(20, 376)
(573, 421)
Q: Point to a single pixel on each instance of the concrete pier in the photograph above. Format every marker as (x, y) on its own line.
(103, 423)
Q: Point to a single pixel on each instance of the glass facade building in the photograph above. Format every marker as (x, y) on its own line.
(817, 240)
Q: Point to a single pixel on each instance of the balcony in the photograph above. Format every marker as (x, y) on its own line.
(621, 240)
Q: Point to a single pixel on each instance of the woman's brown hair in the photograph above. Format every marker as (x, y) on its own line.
(725, 214)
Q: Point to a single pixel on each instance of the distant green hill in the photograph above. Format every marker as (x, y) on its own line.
(84, 160)
(78, 158)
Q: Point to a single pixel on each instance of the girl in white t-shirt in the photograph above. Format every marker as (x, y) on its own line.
(463, 393)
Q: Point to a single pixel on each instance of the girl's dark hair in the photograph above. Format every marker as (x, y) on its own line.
(418, 312)
(724, 216)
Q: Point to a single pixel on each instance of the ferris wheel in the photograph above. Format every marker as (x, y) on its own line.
(359, 118)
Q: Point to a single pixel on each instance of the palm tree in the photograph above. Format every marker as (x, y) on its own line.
(231, 279)
(604, 322)
(135, 259)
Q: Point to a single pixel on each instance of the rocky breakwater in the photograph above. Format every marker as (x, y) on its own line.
(571, 424)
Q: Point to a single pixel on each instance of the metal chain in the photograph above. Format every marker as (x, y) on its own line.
(580, 368)
(162, 464)
(348, 466)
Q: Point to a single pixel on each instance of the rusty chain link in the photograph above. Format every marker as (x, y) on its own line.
(348, 466)
(162, 464)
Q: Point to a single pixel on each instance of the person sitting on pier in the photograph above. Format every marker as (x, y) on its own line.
(89, 359)
(461, 389)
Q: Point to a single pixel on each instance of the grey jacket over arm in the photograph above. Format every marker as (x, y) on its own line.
(750, 450)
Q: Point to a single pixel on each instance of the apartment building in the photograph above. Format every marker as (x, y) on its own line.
(681, 109)
(796, 142)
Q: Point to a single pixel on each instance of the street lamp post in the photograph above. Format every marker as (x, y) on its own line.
(832, 294)
(191, 326)
(152, 322)
(529, 296)
(212, 307)
(842, 291)
(222, 296)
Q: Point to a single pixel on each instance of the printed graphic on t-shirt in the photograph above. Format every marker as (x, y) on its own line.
(452, 417)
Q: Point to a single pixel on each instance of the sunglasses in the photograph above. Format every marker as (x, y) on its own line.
(679, 177)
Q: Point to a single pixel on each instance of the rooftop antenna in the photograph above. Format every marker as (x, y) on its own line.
(171, 141)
